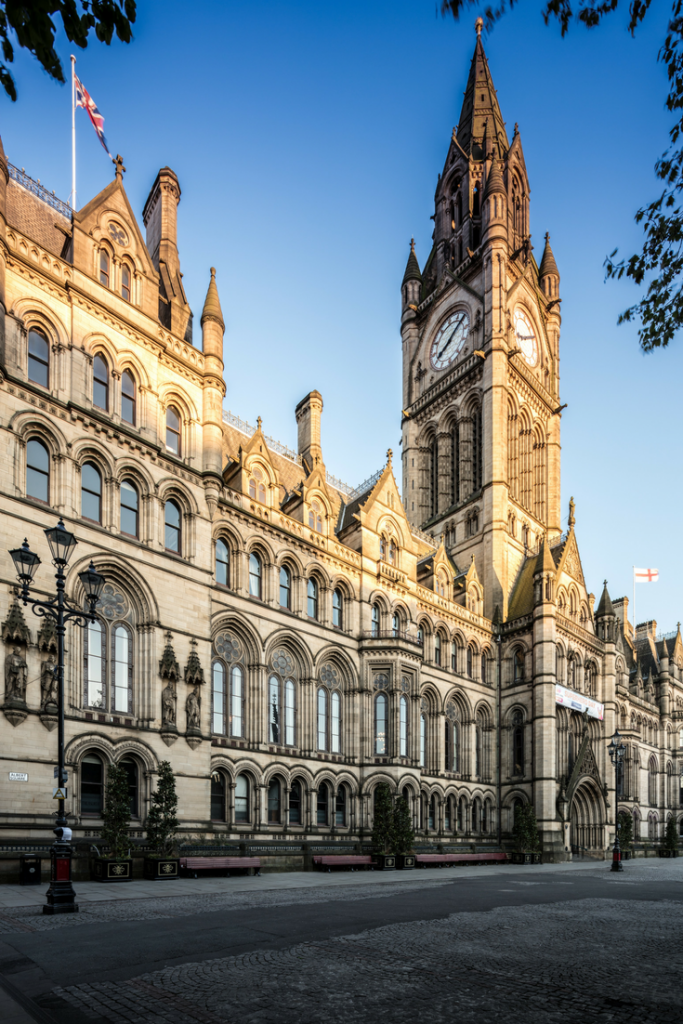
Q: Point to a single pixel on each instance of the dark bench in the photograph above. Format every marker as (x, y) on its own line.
(352, 861)
(440, 860)
(196, 864)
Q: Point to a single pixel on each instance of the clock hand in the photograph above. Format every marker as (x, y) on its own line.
(450, 336)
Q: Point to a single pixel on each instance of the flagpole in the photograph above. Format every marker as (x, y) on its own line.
(73, 132)
(634, 605)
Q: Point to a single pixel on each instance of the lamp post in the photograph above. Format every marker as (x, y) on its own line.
(60, 896)
(616, 750)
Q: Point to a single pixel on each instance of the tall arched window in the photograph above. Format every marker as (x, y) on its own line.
(340, 806)
(295, 803)
(218, 697)
(38, 358)
(396, 624)
(477, 450)
(652, 783)
(423, 740)
(454, 656)
(518, 665)
(337, 609)
(217, 796)
(285, 588)
(95, 665)
(375, 620)
(128, 508)
(322, 718)
(37, 471)
(172, 532)
(91, 493)
(315, 519)
(257, 488)
(122, 662)
(100, 383)
(433, 477)
(172, 431)
(455, 464)
(255, 574)
(274, 710)
(222, 563)
(322, 804)
(92, 785)
(431, 818)
(105, 265)
(335, 722)
(452, 746)
(236, 701)
(477, 750)
(128, 397)
(518, 743)
(484, 669)
(242, 806)
(125, 281)
(282, 695)
(393, 552)
(381, 724)
(462, 814)
(469, 662)
(437, 649)
(403, 727)
(447, 814)
(312, 599)
(382, 548)
(274, 801)
(130, 767)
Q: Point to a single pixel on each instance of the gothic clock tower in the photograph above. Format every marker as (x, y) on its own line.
(481, 332)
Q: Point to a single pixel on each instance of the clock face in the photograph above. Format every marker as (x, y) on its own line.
(450, 340)
(526, 339)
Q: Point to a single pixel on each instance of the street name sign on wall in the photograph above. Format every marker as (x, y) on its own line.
(578, 702)
(18, 776)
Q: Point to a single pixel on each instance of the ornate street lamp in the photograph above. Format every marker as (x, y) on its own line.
(616, 751)
(61, 898)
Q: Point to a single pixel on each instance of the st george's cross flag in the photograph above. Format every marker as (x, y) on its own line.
(84, 99)
(646, 575)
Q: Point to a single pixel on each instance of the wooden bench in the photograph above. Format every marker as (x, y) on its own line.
(352, 861)
(196, 864)
(440, 860)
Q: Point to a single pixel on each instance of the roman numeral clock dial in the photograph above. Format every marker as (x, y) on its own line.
(449, 340)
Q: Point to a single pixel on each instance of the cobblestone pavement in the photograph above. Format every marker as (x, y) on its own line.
(581, 962)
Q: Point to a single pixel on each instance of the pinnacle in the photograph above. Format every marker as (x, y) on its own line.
(480, 104)
(605, 607)
(212, 304)
(548, 264)
(412, 267)
(494, 181)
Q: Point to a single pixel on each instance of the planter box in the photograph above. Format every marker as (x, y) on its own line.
(405, 861)
(102, 869)
(384, 862)
(156, 868)
(667, 853)
(525, 858)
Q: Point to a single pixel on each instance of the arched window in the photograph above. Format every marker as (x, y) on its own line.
(477, 451)
(255, 574)
(322, 718)
(382, 548)
(236, 701)
(130, 767)
(125, 281)
(423, 739)
(222, 563)
(91, 493)
(469, 662)
(38, 358)
(375, 623)
(518, 665)
(484, 816)
(217, 796)
(393, 552)
(218, 695)
(484, 669)
(128, 508)
(340, 806)
(37, 471)
(322, 804)
(285, 588)
(290, 713)
(477, 750)
(380, 724)
(337, 608)
(431, 819)
(95, 665)
(476, 814)
(242, 807)
(295, 803)
(455, 464)
(172, 431)
(274, 801)
(315, 520)
(396, 624)
(257, 488)
(105, 264)
(127, 397)
(100, 383)
(447, 814)
(462, 815)
(433, 477)
(652, 783)
(122, 661)
(437, 649)
(518, 743)
(312, 599)
(274, 710)
(172, 533)
(92, 785)
(335, 723)
(454, 656)
(404, 727)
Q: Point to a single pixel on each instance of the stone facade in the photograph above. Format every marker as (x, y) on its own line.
(286, 642)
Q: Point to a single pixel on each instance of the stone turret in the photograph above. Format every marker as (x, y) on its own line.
(412, 280)
(606, 617)
(160, 217)
(308, 414)
(213, 329)
(548, 274)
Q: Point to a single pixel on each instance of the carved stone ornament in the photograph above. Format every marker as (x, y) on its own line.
(168, 666)
(405, 684)
(452, 711)
(228, 647)
(112, 603)
(193, 714)
(15, 708)
(14, 628)
(169, 670)
(194, 673)
(329, 676)
(424, 706)
(381, 681)
(47, 637)
(48, 683)
(283, 662)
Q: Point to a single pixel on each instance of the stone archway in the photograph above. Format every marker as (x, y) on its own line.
(587, 820)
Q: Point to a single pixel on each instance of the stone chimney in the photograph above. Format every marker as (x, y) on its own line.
(160, 217)
(646, 629)
(308, 413)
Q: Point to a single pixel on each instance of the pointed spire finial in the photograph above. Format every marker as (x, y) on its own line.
(572, 517)
(412, 245)
(212, 304)
(478, 26)
(119, 168)
(259, 421)
(389, 456)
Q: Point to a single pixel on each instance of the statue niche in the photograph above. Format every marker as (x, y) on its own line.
(16, 677)
(169, 670)
(194, 677)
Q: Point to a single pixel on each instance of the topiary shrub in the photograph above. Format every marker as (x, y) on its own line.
(404, 836)
(671, 835)
(116, 815)
(625, 830)
(383, 826)
(525, 829)
(162, 822)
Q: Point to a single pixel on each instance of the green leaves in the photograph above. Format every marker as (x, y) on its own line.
(162, 822)
(116, 816)
(525, 829)
(33, 23)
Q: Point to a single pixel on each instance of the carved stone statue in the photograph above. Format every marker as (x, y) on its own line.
(48, 682)
(193, 709)
(15, 677)
(168, 703)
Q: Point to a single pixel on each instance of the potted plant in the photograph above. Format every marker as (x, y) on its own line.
(626, 834)
(669, 847)
(162, 824)
(403, 835)
(117, 866)
(383, 829)
(525, 835)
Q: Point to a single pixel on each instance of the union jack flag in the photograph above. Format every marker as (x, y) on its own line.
(84, 99)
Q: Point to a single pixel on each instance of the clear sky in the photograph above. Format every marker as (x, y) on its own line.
(307, 138)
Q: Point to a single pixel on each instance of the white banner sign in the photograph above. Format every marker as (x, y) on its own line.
(18, 776)
(577, 702)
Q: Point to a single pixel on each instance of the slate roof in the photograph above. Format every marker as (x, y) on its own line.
(522, 599)
(35, 219)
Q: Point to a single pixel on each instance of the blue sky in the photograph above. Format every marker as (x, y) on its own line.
(307, 139)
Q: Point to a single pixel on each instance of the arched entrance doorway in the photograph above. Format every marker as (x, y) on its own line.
(587, 817)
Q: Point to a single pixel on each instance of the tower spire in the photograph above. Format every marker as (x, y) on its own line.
(480, 103)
